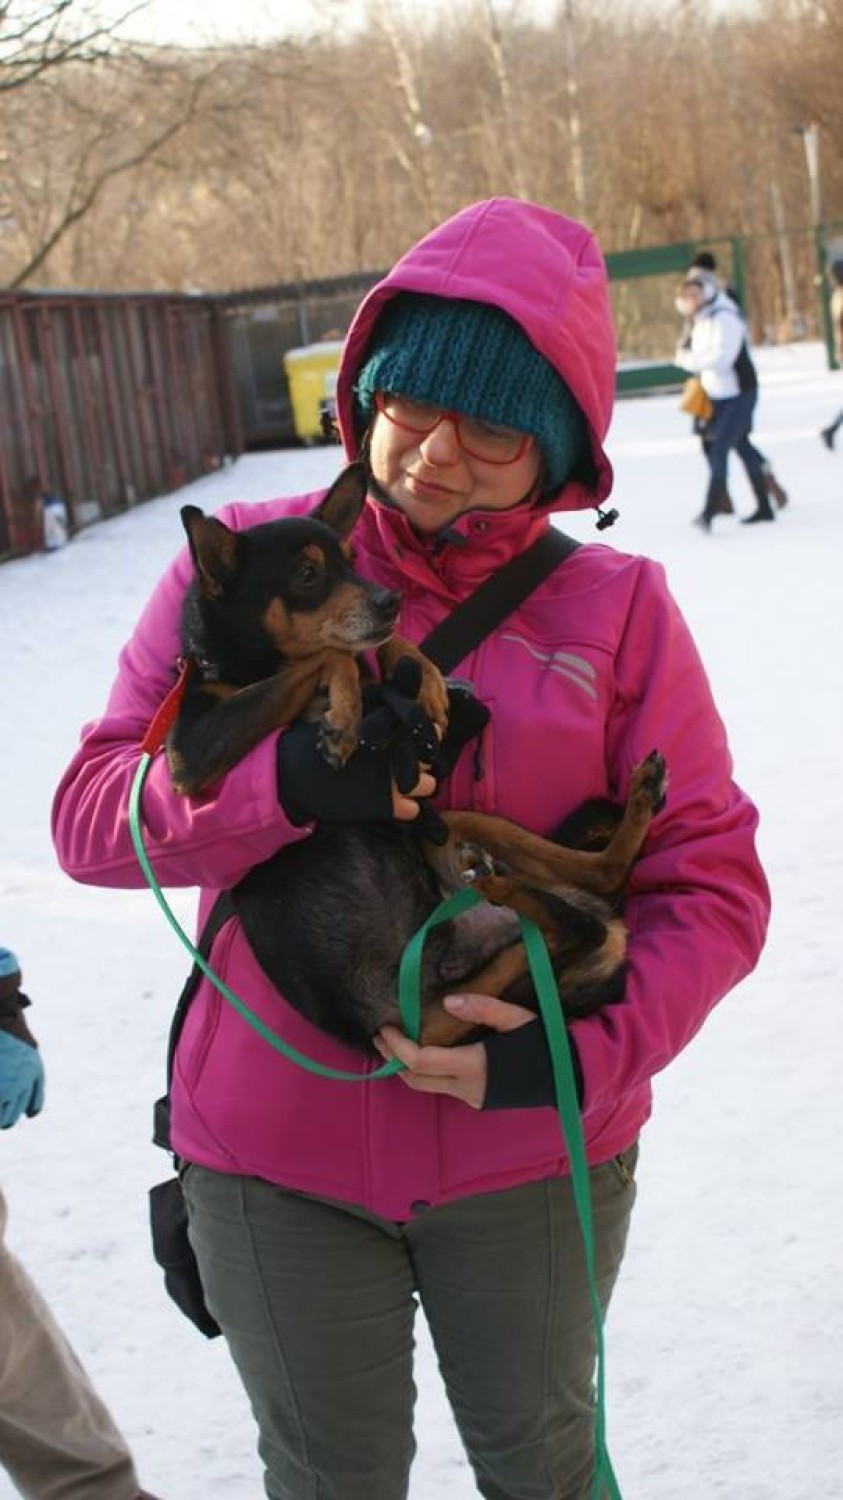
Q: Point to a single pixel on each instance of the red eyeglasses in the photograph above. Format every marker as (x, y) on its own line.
(485, 441)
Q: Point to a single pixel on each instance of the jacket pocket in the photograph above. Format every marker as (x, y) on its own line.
(624, 1165)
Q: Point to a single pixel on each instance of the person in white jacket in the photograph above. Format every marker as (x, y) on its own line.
(704, 260)
(716, 348)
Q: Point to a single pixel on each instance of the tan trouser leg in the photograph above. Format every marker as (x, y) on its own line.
(57, 1439)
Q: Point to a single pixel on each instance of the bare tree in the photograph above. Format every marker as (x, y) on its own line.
(318, 156)
(69, 144)
(36, 39)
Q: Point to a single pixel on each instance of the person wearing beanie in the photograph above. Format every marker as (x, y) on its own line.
(476, 386)
(705, 260)
(474, 358)
(715, 347)
(57, 1437)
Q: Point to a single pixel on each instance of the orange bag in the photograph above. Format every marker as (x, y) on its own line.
(695, 400)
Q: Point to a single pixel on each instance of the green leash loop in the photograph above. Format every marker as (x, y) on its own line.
(276, 1042)
(409, 1000)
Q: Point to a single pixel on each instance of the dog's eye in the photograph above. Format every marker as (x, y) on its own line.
(307, 574)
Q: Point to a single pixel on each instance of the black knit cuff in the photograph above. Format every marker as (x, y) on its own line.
(519, 1074)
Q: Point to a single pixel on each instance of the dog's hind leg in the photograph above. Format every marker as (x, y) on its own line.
(541, 862)
(440, 1029)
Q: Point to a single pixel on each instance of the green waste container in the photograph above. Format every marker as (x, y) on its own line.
(311, 373)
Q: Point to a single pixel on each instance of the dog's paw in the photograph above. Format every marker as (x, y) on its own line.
(336, 742)
(475, 863)
(650, 778)
(433, 695)
(498, 889)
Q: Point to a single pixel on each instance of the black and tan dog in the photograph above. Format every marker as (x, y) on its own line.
(274, 624)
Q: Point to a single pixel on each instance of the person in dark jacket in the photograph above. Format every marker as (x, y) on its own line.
(58, 1441)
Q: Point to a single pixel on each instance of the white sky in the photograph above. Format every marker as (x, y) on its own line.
(193, 22)
(725, 1377)
(188, 22)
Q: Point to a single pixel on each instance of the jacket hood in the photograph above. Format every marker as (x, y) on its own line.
(543, 269)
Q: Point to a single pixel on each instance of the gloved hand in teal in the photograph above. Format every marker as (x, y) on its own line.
(21, 1073)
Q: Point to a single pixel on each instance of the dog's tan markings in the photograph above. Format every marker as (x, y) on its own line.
(602, 962)
(347, 621)
(280, 626)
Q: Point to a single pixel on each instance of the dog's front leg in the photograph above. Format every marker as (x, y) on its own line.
(339, 732)
(433, 693)
(219, 724)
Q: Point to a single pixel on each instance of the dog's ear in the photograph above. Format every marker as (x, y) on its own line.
(215, 549)
(344, 501)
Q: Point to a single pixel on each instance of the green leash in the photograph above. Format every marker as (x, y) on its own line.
(409, 1000)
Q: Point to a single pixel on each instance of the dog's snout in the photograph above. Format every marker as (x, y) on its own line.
(387, 603)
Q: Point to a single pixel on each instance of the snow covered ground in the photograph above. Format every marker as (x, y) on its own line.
(724, 1367)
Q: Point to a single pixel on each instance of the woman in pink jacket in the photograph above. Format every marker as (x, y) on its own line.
(477, 379)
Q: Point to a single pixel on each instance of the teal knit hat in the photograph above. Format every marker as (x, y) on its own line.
(9, 966)
(473, 358)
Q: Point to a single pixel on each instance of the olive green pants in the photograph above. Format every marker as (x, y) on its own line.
(317, 1304)
(56, 1437)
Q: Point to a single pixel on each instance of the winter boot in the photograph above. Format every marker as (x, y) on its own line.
(828, 434)
(718, 502)
(772, 486)
(763, 510)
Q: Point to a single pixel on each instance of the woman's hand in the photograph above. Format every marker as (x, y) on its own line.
(405, 805)
(458, 1071)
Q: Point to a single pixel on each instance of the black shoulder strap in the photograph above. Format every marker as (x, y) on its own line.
(454, 637)
(222, 909)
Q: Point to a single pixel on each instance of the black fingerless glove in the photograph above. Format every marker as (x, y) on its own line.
(396, 737)
(396, 740)
(519, 1074)
(308, 788)
(395, 722)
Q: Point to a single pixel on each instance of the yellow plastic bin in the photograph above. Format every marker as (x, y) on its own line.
(311, 373)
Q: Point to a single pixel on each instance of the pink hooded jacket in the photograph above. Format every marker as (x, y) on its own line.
(590, 674)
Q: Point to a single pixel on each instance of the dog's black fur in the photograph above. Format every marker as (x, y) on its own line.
(328, 917)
